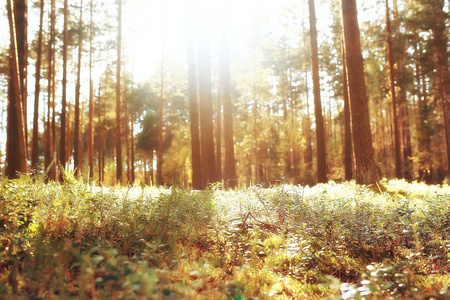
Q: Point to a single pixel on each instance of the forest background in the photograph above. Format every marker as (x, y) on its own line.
(116, 84)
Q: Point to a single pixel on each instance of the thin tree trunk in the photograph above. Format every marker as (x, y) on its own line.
(206, 110)
(425, 163)
(81, 139)
(127, 140)
(159, 154)
(224, 65)
(91, 96)
(68, 143)
(133, 175)
(348, 160)
(197, 182)
(397, 148)
(50, 157)
(34, 153)
(307, 156)
(255, 137)
(76, 137)
(16, 151)
(366, 172)
(62, 139)
(21, 20)
(320, 131)
(119, 98)
(287, 152)
(219, 138)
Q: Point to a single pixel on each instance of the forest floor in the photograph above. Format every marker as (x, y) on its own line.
(333, 241)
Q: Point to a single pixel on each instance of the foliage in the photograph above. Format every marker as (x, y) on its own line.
(75, 240)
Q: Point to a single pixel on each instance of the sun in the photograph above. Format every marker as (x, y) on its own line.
(156, 29)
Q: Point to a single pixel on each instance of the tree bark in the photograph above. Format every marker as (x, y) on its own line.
(424, 136)
(256, 177)
(21, 20)
(62, 139)
(91, 96)
(397, 148)
(119, 98)
(224, 65)
(219, 138)
(197, 182)
(34, 152)
(366, 172)
(320, 131)
(16, 150)
(348, 151)
(307, 155)
(76, 136)
(206, 109)
(132, 162)
(440, 56)
(50, 163)
(159, 154)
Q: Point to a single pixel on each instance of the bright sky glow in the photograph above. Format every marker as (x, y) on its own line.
(151, 23)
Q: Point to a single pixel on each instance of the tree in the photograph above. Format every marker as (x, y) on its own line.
(348, 160)
(62, 138)
(206, 110)
(21, 19)
(362, 136)
(16, 151)
(230, 163)
(159, 154)
(76, 137)
(34, 153)
(197, 182)
(320, 131)
(442, 68)
(91, 96)
(50, 129)
(397, 150)
(119, 96)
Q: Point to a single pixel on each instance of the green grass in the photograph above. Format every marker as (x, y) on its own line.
(334, 241)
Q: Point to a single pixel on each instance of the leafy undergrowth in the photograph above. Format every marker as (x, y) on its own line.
(334, 241)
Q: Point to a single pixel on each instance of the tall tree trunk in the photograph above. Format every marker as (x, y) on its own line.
(127, 139)
(224, 65)
(132, 163)
(287, 152)
(366, 172)
(76, 136)
(320, 131)
(197, 182)
(441, 54)
(91, 95)
(16, 150)
(397, 148)
(206, 109)
(348, 151)
(50, 162)
(68, 144)
(255, 136)
(81, 138)
(34, 152)
(403, 114)
(62, 139)
(425, 167)
(21, 20)
(119, 97)
(219, 138)
(159, 154)
(307, 155)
